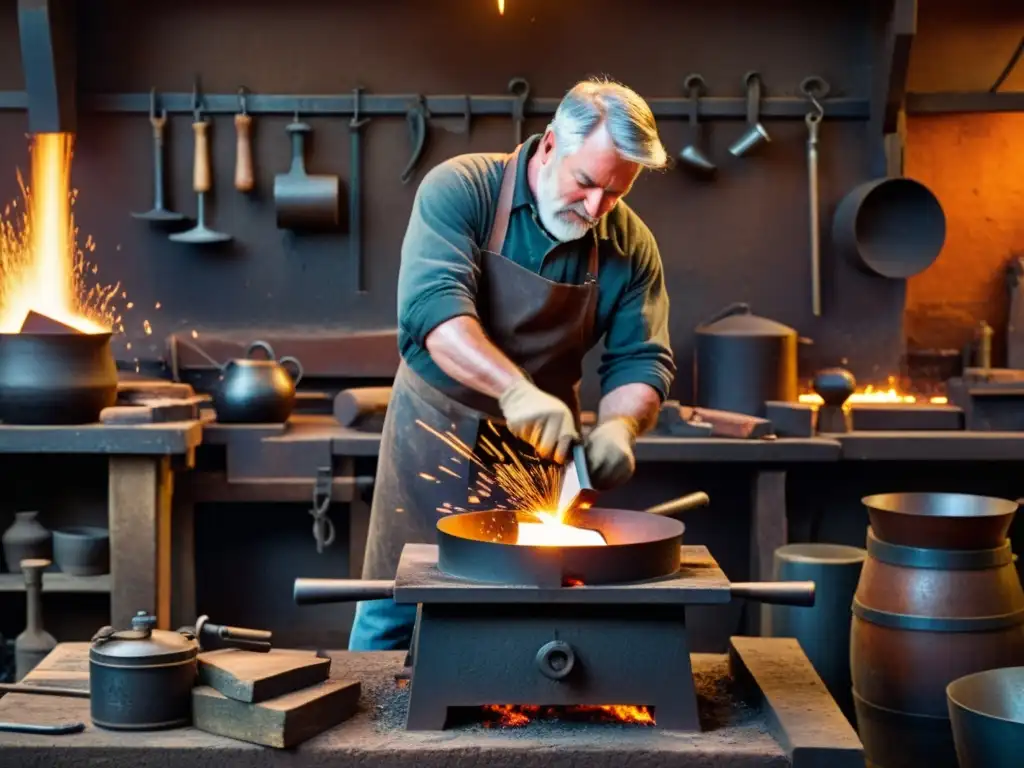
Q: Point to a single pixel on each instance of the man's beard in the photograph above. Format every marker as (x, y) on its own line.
(565, 221)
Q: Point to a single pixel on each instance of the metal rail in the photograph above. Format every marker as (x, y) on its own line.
(370, 105)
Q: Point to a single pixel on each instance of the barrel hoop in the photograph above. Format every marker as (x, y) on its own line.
(939, 559)
(896, 713)
(936, 623)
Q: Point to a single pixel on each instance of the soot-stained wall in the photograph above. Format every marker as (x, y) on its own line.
(743, 237)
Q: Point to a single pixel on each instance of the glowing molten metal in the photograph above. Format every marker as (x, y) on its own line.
(512, 716)
(551, 532)
(41, 267)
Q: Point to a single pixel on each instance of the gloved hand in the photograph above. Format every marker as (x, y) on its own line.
(609, 449)
(542, 420)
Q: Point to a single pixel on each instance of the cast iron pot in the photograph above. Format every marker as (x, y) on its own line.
(253, 391)
(56, 378)
(742, 360)
(141, 679)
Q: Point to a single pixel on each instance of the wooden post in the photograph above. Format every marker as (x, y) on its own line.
(139, 507)
(769, 530)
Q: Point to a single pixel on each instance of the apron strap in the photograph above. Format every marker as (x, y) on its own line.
(504, 209)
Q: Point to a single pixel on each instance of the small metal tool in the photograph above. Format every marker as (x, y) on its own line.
(159, 212)
(50, 730)
(257, 640)
(577, 491)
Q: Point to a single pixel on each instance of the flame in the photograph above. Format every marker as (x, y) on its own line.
(870, 394)
(551, 532)
(501, 7)
(41, 265)
(514, 716)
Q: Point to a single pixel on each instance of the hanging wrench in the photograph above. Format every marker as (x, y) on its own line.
(519, 88)
(814, 88)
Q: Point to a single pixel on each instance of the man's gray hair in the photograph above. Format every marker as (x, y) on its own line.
(629, 119)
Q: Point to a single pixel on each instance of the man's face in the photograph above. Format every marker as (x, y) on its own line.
(575, 191)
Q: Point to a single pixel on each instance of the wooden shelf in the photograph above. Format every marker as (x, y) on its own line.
(57, 582)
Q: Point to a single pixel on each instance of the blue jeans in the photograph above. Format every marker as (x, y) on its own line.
(382, 625)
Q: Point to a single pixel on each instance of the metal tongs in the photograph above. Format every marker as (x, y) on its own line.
(577, 491)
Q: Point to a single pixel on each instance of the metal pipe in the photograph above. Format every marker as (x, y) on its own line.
(396, 105)
(46, 32)
(776, 592)
(314, 591)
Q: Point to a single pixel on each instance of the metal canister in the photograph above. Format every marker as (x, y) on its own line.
(141, 679)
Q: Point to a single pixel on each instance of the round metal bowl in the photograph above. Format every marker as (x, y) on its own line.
(986, 710)
(940, 520)
(481, 546)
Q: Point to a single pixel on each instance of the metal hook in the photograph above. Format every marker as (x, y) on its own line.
(241, 100)
(815, 88)
(357, 121)
(695, 86)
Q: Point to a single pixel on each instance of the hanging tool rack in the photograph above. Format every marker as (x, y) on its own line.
(397, 105)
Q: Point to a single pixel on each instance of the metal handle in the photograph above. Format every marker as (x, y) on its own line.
(682, 504)
(73, 693)
(261, 345)
(51, 730)
(288, 359)
(316, 591)
(776, 592)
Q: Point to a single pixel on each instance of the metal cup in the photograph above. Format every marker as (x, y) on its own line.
(696, 160)
(754, 136)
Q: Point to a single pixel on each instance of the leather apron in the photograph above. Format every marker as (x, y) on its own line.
(544, 327)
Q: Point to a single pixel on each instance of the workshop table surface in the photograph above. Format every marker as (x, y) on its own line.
(375, 736)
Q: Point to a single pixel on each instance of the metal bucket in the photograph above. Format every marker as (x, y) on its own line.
(987, 713)
(823, 631)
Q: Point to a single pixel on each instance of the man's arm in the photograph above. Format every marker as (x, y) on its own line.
(437, 281)
(638, 367)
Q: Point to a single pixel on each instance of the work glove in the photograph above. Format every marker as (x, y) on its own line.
(609, 449)
(542, 420)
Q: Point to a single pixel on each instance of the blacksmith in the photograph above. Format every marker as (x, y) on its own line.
(513, 267)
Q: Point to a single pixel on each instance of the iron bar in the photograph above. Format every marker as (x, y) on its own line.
(382, 105)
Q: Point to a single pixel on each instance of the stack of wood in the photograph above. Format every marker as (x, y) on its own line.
(153, 401)
(278, 699)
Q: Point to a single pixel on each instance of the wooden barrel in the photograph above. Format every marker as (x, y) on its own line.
(921, 619)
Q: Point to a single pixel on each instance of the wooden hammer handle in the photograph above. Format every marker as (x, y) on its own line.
(244, 180)
(201, 162)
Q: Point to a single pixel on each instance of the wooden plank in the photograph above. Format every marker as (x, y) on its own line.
(139, 509)
(58, 583)
(138, 439)
(254, 677)
(803, 716)
(892, 66)
(282, 722)
(932, 446)
(769, 530)
(962, 103)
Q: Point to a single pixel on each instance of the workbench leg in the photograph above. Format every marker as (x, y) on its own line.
(358, 522)
(139, 508)
(183, 556)
(769, 530)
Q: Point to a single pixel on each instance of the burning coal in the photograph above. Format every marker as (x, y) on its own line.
(513, 716)
(42, 268)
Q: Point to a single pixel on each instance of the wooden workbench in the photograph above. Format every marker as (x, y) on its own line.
(141, 463)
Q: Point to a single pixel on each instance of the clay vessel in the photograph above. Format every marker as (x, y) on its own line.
(82, 551)
(35, 643)
(923, 617)
(26, 539)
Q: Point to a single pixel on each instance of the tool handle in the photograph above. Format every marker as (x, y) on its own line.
(74, 693)
(314, 591)
(682, 504)
(244, 181)
(158, 122)
(201, 161)
(52, 730)
(776, 592)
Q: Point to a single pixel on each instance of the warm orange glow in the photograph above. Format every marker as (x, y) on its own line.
(551, 532)
(870, 394)
(41, 265)
(512, 716)
(501, 7)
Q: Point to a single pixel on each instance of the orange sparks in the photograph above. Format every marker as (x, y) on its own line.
(41, 266)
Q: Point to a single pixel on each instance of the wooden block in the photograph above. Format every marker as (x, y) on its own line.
(776, 674)
(282, 722)
(254, 677)
(790, 419)
(359, 406)
(728, 424)
(126, 414)
(131, 390)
